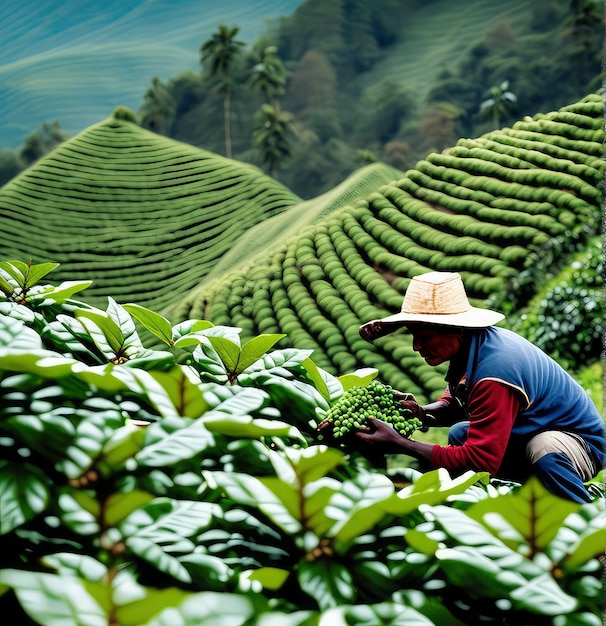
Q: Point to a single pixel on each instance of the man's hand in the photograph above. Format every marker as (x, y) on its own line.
(386, 440)
(325, 429)
(407, 401)
(382, 436)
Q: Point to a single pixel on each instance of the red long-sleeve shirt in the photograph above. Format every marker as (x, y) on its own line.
(493, 407)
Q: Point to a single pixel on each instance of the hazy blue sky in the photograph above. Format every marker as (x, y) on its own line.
(74, 61)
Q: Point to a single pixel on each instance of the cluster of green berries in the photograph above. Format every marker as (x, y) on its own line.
(376, 400)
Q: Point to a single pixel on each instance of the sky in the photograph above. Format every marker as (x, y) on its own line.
(75, 61)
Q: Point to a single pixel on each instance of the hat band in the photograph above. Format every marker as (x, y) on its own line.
(422, 312)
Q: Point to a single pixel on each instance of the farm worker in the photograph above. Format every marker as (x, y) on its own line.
(513, 411)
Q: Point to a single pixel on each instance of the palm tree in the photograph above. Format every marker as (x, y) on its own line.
(498, 104)
(268, 76)
(219, 55)
(271, 136)
(158, 110)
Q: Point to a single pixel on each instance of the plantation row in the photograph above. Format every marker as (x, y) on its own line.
(490, 209)
(147, 215)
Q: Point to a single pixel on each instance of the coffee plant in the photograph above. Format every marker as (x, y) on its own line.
(185, 485)
(567, 318)
(377, 400)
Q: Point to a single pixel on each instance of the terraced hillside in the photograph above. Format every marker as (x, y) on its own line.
(143, 216)
(496, 208)
(281, 227)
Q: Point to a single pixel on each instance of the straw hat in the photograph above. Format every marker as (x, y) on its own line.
(440, 298)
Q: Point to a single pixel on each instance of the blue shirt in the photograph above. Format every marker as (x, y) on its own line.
(551, 398)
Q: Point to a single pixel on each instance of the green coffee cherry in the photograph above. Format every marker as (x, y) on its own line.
(356, 405)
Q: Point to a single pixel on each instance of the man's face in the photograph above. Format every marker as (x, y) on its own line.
(436, 344)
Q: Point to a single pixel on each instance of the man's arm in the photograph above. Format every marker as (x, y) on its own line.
(493, 408)
(443, 412)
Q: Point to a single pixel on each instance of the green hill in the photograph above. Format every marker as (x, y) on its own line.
(280, 227)
(145, 217)
(502, 209)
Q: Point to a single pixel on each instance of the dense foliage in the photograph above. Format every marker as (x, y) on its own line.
(357, 85)
(186, 486)
(566, 318)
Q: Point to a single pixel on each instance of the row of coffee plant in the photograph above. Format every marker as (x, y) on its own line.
(504, 210)
(188, 485)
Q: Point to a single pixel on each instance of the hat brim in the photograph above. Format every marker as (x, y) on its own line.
(472, 318)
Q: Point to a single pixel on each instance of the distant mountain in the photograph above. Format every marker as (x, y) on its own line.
(75, 61)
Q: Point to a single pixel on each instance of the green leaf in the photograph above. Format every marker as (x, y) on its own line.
(182, 387)
(486, 567)
(270, 577)
(250, 491)
(192, 333)
(123, 444)
(228, 351)
(144, 383)
(165, 529)
(359, 378)
(48, 432)
(316, 496)
(5, 286)
(327, 384)
(24, 493)
(211, 608)
(467, 568)
(356, 508)
(80, 565)
(49, 295)
(527, 519)
(170, 448)
(233, 399)
(590, 546)
(430, 488)
(120, 505)
(329, 583)
(108, 377)
(50, 600)
(159, 326)
(190, 326)
(75, 516)
(312, 463)
(289, 496)
(103, 330)
(16, 336)
(421, 542)
(542, 595)
(581, 538)
(210, 364)
(385, 613)
(36, 272)
(135, 605)
(95, 421)
(255, 348)
(42, 362)
(16, 270)
(131, 344)
(248, 427)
